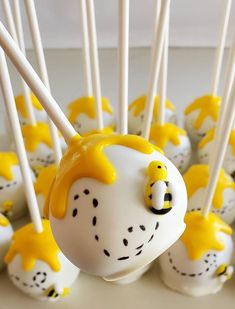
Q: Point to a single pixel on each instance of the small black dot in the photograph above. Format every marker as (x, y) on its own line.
(125, 242)
(138, 253)
(206, 261)
(199, 274)
(174, 267)
(170, 260)
(75, 212)
(152, 184)
(159, 166)
(207, 269)
(17, 278)
(37, 285)
(130, 229)
(142, 227)
(76, 197)
(95, 202)
(123, 258)
(157, 225)
(139, 247)
(183, 274)
(34, 278)
(25, 284)
(106, 252)
(97, 237)
(86, 191)
(152, 238)
(1, 188)
(94, 220)
(192, 275)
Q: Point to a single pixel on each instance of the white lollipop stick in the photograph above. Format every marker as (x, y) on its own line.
(123, 54)
(155, 67)
(35, 83)
(37, 42)
(24, 165)
(16, 33)
(163, 76)
(86, 48)
(94, 62)
(220, 48)
(221, 141)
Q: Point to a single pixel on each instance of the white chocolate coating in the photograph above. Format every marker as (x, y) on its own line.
(6, 233)
(42, 282)
(40, 116)
(118, 234)
(196, 277)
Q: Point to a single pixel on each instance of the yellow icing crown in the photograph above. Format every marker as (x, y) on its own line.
(162, 134)
(7, 161)
(85, 158)
(197, 177)
(21, 106)
(86, 105)
(32, 246)
(45, 179)
(202, 234)
(138, 106)
(208, 106)
(3, 221)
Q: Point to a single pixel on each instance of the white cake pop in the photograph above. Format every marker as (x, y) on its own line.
(196, 180)
(43, 184)
(82, 114)
(6, 233)
(201, 115)
(136, 114)
(205, 147)
(101, 187)
(12, 197)
(37, 266)
(174, 142)
(199, 262)
(39, 112)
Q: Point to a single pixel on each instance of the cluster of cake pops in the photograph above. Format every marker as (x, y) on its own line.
(114, 202)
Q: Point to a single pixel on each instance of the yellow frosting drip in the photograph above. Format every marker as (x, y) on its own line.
(21, 106)
(197, 177)
(106, 130)
(202, 234)
(207, 105)
(32, 246)
(7, 161)
(45, 180)
(138, 106)
(162, 134)
(3, 221)
(36, 134)
(85, 158)
(86, 105)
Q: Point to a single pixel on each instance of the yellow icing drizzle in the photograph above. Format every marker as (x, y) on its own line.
(208, 106)
(35, 134)
(45, 179)
(21, 106)
(32, 246)
(202, 234)
(85, 158)
(7, 161)
(3, 221)
(160, 135)
(138, 106)
(106, 130)
(197, 177)
(86, 105)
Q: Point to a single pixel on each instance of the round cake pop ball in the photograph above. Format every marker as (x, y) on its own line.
(201, 115)
(82, 114)
(6, 233)
(223, 204)
(199, 262)
(37, 266)
(205, 147)
(136, 114)
(98, 205)
(40, 113)
(174, 142)
(12, 197)
(43, 184)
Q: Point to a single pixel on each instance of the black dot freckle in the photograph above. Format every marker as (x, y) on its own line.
(37, 285)
(86, 191)
(159, 166)
(25, 284)
(96, 237)
(152, 184)
(76, 197)
(207, 269)
(123, 258)
(34, 278)
(199, 274)
(17, 278)
(183, 274)
(95, 202)
(170, 260)
(8, 185)
(45, 274)
(192, 275)
(130, 229)
(94, 221)
(1, 188)
(214, 255)
(38, 273)
(152, 238)
(138, 253)
(157, 225)
(206, 261)
(142, 227)
(125, 242)
(106, 252)
(75, 212)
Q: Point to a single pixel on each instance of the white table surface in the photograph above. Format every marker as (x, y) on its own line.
(189, 76)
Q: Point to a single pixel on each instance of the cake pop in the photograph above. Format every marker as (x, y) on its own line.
(37, 266)
(196, 179)
(6, 233)
(200, 261)
(12, 198)
(174, 142)
(136, 113)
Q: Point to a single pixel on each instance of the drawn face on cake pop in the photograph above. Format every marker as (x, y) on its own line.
(136, 114)
(201, 115)
(6, 233)
(37, 266)
(205, 148)
(199, 262)
(40, 113)
(97, 205)
(12, 197)
(223, 204)
(82, 114)
(174, 142)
